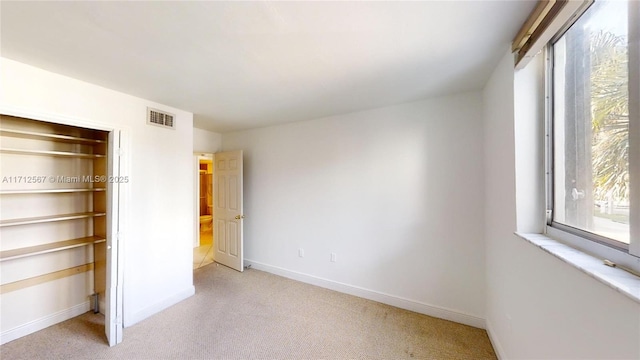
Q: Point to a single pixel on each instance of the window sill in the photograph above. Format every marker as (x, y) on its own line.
(617, 279)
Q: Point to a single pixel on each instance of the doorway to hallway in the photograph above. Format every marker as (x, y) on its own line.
(203, 246)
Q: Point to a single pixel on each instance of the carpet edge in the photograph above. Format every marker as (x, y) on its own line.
(399, 302)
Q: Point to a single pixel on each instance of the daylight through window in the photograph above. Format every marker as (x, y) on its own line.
(592, 180)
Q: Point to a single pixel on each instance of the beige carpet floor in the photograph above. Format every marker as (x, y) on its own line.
(257, 315)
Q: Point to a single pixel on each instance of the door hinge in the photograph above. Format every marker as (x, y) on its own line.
(118, 321)
(119, 152)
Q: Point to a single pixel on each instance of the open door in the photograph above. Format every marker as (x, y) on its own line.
(228, 210)
(113, 293)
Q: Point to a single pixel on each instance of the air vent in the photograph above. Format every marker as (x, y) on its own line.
(160, 118)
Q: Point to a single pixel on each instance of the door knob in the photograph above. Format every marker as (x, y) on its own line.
(238, 217)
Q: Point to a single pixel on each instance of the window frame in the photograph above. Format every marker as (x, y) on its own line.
(606, 248)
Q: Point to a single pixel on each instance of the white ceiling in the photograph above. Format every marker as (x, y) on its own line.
(238, 65)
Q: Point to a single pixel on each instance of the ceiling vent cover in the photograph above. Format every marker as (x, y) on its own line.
(160, 118)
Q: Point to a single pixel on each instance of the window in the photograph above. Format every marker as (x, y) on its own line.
(595, 155)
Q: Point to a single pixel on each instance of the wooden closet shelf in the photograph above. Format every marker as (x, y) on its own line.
(50, 137)
(51, 247)
(49, 191)
(44, 219)
(51, 153)
(40, 279)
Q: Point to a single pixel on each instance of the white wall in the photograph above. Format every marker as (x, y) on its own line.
(529, 130)
(538, 307)
(205, 141)
(159, 217)
(395, 192)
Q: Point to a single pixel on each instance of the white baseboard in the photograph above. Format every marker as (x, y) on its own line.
(44, 322)
(419, 307)
(494, 341)
(159, 306)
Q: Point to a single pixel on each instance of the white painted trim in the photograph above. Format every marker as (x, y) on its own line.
(44, 322)
(159, 306)
(634, 124)
(120, 218)
(196, 201)
(407, 304)
(497, 347)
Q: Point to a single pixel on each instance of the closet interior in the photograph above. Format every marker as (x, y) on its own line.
(53, 221)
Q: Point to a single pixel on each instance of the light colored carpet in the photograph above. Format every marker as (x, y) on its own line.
(257, 315)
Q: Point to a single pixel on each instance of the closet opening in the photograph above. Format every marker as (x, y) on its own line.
(58, 218)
